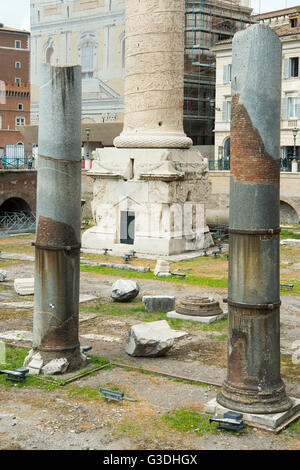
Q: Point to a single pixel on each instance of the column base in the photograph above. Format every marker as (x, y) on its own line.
(270, 422)
(254, 401)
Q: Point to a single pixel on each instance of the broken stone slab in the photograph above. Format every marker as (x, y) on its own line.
(17, 256)
(95, 337)
(210, 319)
(16, 335)
(21, 305)
(34, 362)
(124, 290)
(159, 303)
(56, 366)
(24, 286)
(3, 275)
(151, 339)
(162, 268)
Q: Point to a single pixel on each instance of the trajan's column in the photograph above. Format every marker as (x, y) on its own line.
(154, 75)
(149, 191)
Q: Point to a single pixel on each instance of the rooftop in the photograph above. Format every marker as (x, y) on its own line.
(12, 30)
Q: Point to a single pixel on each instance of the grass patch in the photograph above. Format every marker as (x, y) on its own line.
(218, 337)
(189, 279)
(289, 234)
(129, 428)
(189, 420)
(136, 309)
(294, 429)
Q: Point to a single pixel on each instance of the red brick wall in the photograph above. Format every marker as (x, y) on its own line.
(15, 95)
(18, 184)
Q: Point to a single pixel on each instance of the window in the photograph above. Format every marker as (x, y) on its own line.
(0, 121)
(294, 22)
(18, 65)
(87, 58)
(291, 108)
(87, 52)
(227, 73)
(20, 106)
(18, 44)
(291, 67)
(20, 121)
(226, 114)
(18, 81)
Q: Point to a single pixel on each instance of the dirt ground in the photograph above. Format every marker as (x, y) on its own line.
(74, 416)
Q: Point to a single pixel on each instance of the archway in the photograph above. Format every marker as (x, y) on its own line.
(288, 214)
(14, 204)
(16, 217)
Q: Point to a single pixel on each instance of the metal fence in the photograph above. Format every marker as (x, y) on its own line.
(17, 163)
(17, 222)
(224, 165)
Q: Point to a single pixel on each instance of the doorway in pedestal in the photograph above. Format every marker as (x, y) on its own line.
(127, 227)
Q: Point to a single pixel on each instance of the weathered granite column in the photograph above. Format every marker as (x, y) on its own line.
(154, 75)
(253, 382)
(57, 265)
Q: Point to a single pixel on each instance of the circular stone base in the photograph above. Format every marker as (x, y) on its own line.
(252, 402)
(199, 307)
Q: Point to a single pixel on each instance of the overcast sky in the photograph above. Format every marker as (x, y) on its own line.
(16, 13)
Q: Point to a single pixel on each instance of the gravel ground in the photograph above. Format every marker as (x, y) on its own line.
(32, 418)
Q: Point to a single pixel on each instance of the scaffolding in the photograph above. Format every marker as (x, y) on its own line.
(206, 23)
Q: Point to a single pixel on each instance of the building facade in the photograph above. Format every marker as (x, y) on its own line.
(89, 33)
(14, 87)
(286, 24)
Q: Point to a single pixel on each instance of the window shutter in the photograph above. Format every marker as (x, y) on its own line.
(224, 109)
(226, 74)
(286, 68)
(298, 108)
(284, 108)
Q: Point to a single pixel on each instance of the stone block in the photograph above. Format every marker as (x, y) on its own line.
(150, 339)
(162, 268)
(3, 275)
(124, 290)
(56, 366)
(159, 303)
(202, 319)
(24, 286)
(34, 363)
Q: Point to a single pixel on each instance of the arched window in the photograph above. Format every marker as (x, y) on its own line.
(87, 52)
(49, 55)
(49, 52)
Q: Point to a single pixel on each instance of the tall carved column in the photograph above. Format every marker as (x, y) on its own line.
(154, 75)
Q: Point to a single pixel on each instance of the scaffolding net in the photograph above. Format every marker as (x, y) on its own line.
(206, 23)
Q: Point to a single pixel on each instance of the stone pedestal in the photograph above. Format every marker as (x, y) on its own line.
(149, 200)
(199, 309)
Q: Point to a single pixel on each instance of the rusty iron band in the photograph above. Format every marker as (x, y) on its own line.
(57, 248)
(53, 348)
(252, 306)
(269, 231)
